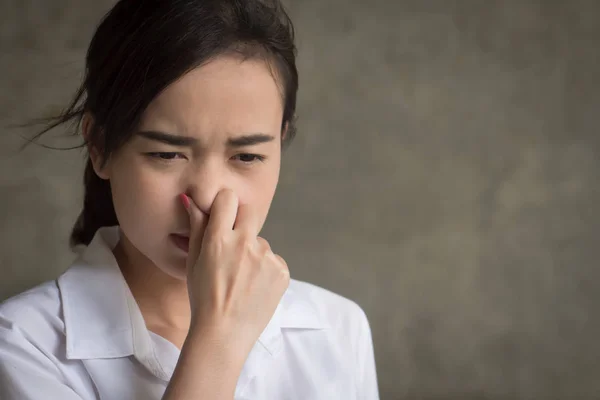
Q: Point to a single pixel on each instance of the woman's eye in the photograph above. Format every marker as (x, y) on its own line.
(249, 158)
(165, 155)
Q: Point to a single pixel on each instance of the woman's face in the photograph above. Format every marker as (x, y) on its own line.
(217, 127)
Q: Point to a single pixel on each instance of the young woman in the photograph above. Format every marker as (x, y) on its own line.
(184, 110)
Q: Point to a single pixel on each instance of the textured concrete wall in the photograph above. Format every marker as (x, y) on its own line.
(445, 176)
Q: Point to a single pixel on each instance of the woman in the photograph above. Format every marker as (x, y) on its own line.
(184, 110)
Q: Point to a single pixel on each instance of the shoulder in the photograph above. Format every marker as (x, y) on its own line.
(33, 317)
(328, 302)
(335, 311)
(33, 347)
(33, 307)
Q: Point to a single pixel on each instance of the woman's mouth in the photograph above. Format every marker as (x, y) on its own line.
(183, 242)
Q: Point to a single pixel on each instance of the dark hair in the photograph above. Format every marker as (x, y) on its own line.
(140, 47)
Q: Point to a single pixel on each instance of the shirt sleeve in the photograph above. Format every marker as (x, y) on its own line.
(366, 376)
(26, 373)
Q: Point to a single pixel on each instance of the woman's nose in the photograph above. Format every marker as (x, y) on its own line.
(203, 185)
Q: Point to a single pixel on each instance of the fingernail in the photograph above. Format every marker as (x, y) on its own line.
(185, 200)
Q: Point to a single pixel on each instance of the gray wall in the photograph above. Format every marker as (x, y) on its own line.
(445, 177)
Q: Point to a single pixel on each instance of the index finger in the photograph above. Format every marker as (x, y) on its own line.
(247, 220)
(223, 213)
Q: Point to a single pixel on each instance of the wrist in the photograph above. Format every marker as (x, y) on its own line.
(209, 365)
(218, 339)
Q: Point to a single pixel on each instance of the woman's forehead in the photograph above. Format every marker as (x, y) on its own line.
(224, 95)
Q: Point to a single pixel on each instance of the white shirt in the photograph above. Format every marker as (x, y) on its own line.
(83, 337)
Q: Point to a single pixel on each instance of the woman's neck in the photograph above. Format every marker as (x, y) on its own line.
(162, 299)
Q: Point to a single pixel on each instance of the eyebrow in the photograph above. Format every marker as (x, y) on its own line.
(186, 141)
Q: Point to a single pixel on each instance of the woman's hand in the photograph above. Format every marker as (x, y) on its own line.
(235, 281)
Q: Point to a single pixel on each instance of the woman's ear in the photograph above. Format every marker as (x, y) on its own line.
(284, 131)
(96, 158)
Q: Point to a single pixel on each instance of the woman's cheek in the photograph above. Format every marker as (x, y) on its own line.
(160, 192)
(135, 189)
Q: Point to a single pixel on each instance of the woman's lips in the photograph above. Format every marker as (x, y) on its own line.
(183, 242)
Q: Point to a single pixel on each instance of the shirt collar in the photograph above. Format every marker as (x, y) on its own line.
(94, 299)
(102, 319)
